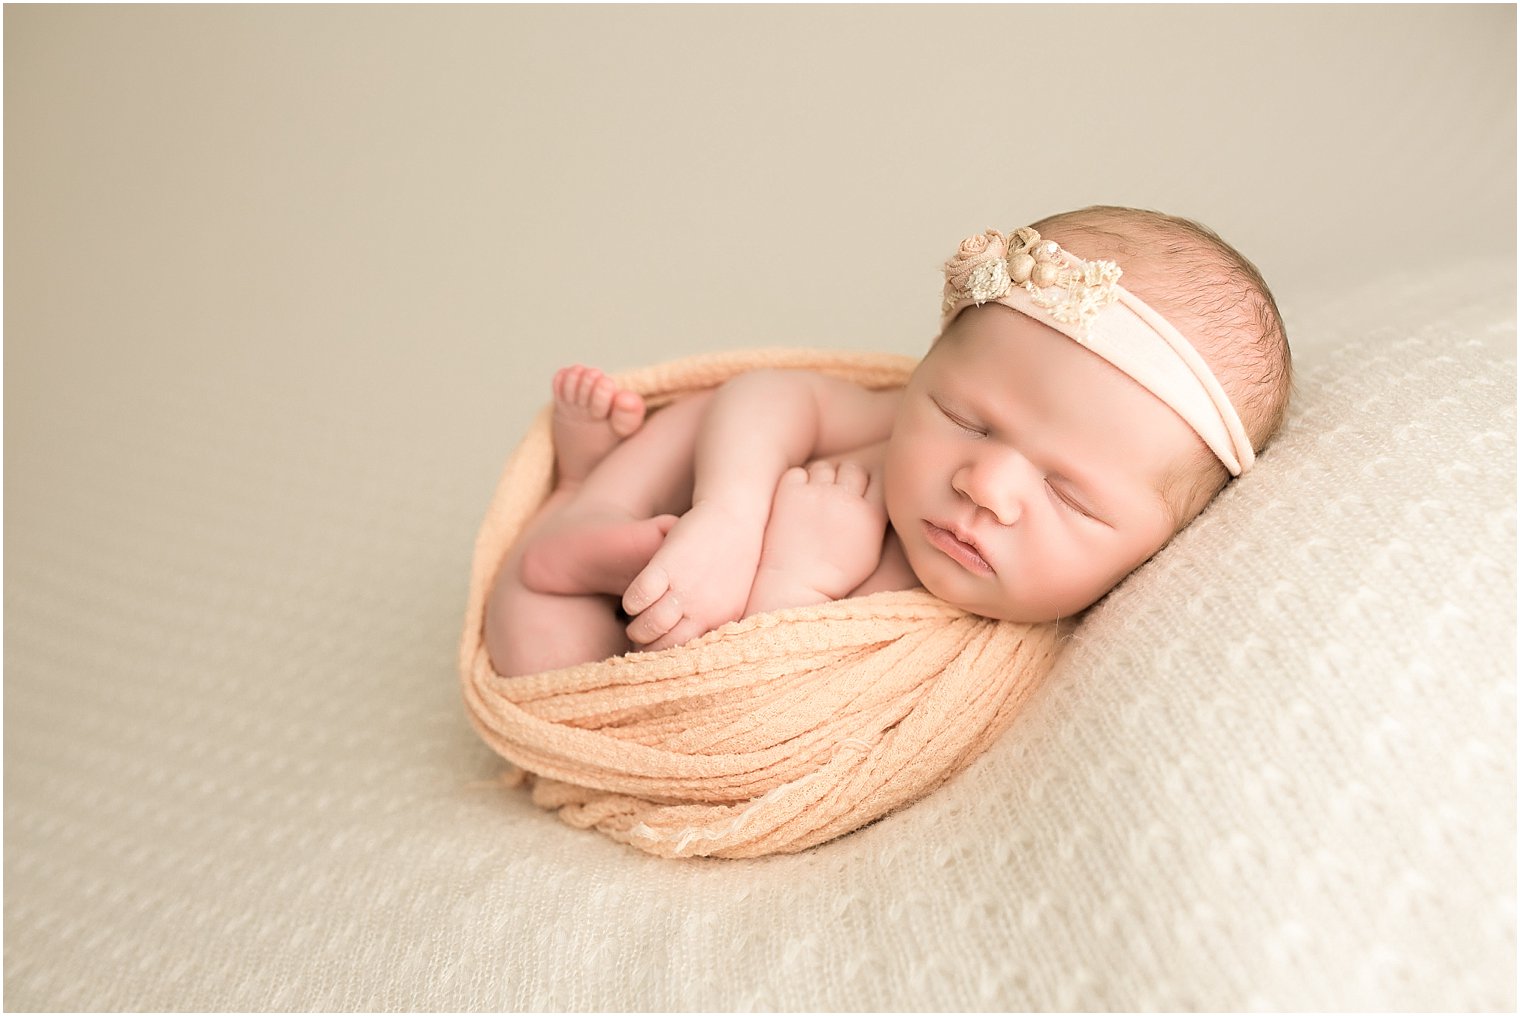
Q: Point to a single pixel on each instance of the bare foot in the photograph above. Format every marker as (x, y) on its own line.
(593, 556)
(824, 537)
(698, 580)
(591, 416)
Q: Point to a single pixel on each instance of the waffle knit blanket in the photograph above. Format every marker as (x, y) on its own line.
(768, 735)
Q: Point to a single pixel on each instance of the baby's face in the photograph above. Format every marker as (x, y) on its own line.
(1024, 472)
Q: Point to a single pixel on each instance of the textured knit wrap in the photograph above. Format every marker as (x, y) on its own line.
(767, 735)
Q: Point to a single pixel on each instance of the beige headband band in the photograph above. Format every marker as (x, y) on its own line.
(1084, 301)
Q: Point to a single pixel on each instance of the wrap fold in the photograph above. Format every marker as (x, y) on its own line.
(768, 735)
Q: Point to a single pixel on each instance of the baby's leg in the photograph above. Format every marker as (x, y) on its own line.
(529, 632)
(645, 476)
(823, 539)
(596, 555)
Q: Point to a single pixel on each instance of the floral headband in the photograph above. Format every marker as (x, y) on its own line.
(1084, 301)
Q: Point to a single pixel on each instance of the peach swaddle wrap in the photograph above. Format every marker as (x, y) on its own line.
(767, 735)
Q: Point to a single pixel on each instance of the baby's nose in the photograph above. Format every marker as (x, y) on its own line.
(994, 484)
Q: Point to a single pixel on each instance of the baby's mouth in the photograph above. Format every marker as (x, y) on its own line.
(958, 550)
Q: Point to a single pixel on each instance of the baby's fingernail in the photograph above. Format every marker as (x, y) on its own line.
(643, 591)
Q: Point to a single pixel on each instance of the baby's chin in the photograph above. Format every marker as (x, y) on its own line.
(975, 595)
(1020, 611)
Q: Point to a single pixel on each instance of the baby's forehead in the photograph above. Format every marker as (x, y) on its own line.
(999, 352)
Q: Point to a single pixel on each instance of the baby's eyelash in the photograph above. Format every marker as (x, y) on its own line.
(1067, 502)
(962, 424)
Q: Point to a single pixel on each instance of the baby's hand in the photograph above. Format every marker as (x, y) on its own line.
(698, 580)
(823, 539)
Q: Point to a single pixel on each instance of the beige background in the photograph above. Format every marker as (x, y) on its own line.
(436, 207)
(283, 285)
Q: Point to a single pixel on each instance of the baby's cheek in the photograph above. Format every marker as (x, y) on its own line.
(895, 477)
(1067, 593)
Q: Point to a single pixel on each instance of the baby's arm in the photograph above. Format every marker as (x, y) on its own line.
(757, 426)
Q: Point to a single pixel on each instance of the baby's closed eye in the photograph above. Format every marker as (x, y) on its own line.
(960, 421)
(1069, 500)
(1064, 498)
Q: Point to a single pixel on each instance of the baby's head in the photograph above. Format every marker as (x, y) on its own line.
(1069, 420)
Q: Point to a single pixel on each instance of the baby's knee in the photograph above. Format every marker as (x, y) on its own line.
(511, 615)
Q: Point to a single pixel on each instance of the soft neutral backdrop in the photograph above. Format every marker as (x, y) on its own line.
(284, 284)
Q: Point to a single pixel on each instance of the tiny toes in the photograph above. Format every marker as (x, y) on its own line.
(795, 475)
(679, 634)
(564, 383)
(627, 412)
(586, 385)
(821, 472)
(852, 477)
(656, 620)
(599, 401)
(648, 586)
(585, 426)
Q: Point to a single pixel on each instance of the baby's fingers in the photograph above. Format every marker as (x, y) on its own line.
(655, 620)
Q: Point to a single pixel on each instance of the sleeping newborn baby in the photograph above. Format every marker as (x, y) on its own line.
(1062, 428)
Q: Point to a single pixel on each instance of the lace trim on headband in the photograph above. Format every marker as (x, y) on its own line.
(987, 266)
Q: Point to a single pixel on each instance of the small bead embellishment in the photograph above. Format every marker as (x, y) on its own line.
(987, 266)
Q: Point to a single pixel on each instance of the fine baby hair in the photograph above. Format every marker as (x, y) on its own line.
(1213, 295)
(788, 727)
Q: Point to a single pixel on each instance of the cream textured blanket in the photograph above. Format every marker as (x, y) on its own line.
(768, 735)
